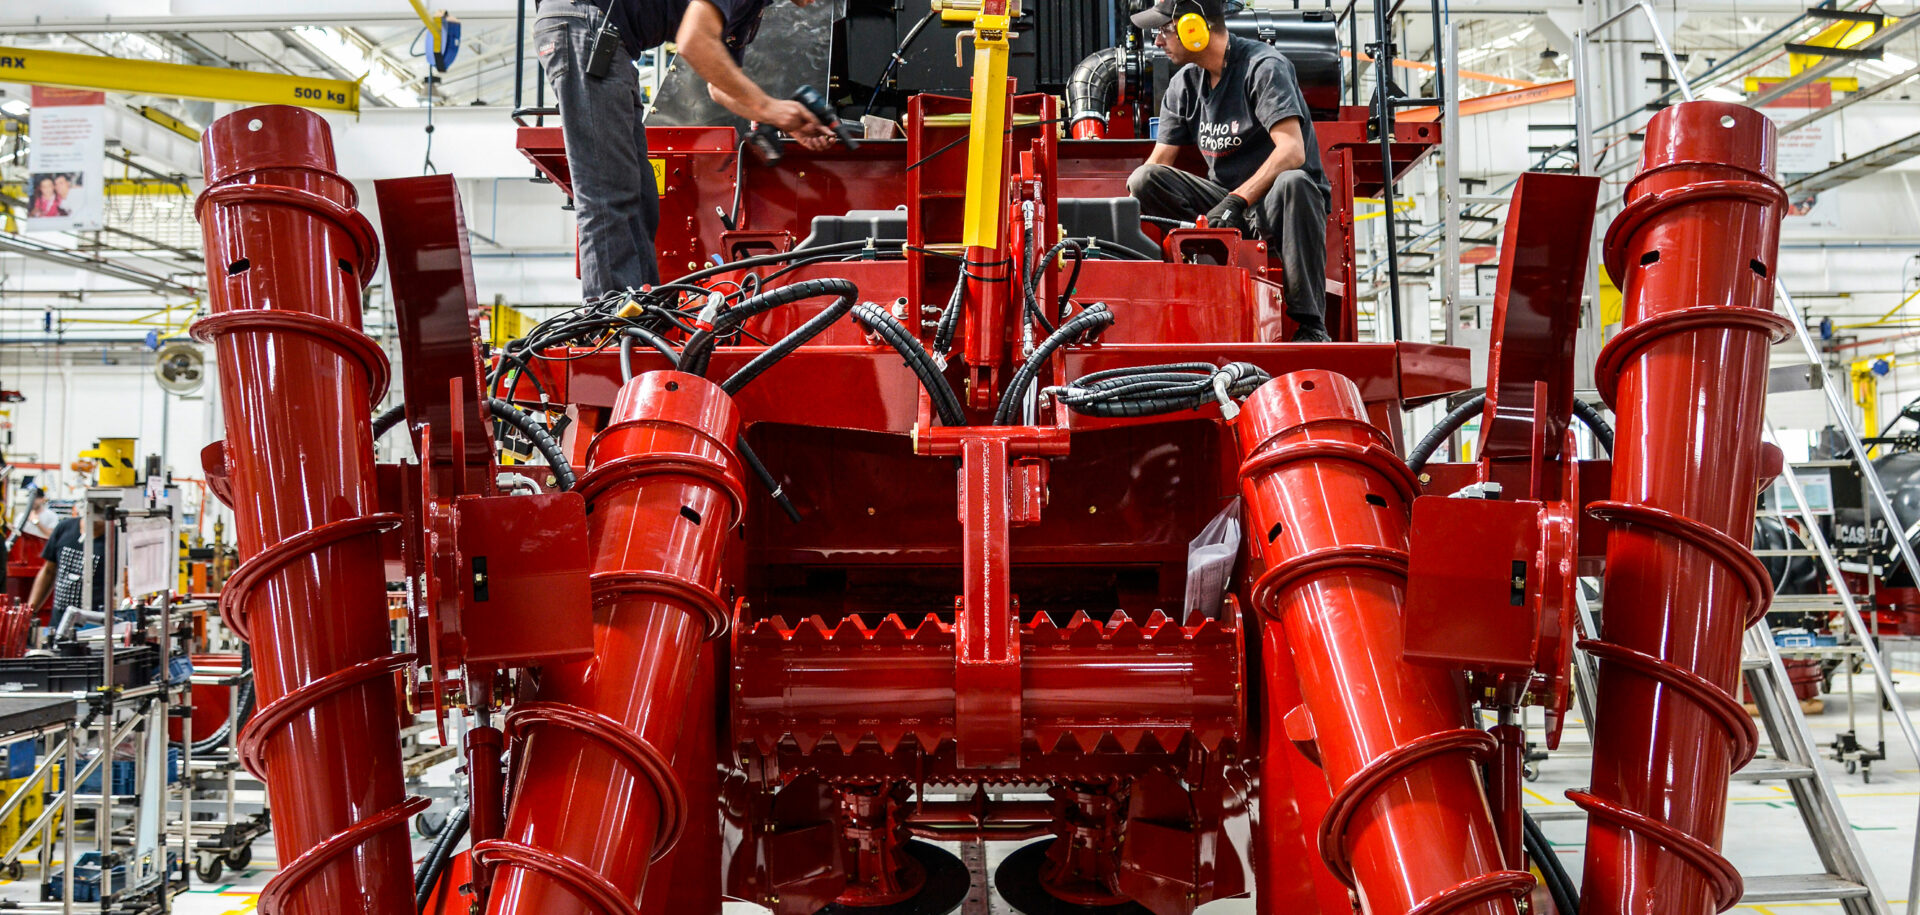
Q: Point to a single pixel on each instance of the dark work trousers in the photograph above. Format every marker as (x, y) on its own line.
(1292, 216)
(614, 196)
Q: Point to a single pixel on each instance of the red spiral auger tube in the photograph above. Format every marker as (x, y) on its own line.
(287, 258)
(1687, 376)
(1327, 505)
(594, 799)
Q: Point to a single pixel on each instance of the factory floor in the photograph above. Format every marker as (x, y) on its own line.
(1764, 832)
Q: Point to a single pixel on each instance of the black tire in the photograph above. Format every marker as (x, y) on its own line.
(948, 881)
(16, 870)
(1018, 882)
(429, 824)
(239, 858)
(208, 871)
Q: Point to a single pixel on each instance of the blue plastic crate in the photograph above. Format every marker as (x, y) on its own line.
(1805, 640)
(86, 880)
(124, 781)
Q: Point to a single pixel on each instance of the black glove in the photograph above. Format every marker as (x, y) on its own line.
(1229, 213)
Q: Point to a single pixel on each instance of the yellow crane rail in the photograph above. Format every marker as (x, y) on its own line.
(42, 67)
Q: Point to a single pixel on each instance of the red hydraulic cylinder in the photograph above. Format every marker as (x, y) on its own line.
(1687, 376)
(595, 799)
(1327, 503)
(287, 258)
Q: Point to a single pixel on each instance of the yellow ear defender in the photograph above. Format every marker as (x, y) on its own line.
(1194, 32)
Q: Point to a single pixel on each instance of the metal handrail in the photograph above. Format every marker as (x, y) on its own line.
(1843, 418)
(1660, 38)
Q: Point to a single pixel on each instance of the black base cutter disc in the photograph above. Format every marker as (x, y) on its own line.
(1018, 882)
(946, 888)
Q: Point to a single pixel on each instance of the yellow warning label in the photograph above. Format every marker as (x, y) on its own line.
(659, 173)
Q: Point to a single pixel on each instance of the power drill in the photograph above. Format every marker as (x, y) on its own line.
(765, 139)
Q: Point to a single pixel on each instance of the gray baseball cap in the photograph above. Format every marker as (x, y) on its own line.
(1164, 11)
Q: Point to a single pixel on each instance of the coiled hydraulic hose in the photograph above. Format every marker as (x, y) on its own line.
(1082, 327)
(699, 349)
(1153, 390)
(760, 471)
(537, 433)
(946, 404)
(792, 341)
(434, 865)
(505, 412)
(1588, 414)
(950, 317)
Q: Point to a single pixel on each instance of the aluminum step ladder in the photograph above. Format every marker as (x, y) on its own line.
(1846, 878)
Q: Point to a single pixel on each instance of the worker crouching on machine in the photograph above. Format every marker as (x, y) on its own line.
(1240, 102)
(588, 48)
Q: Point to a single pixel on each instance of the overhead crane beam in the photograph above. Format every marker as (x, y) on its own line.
(43, 67)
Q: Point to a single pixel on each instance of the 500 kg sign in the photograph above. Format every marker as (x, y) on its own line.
(330, 96)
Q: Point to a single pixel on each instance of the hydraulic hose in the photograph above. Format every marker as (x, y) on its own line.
(893, 63)
(1154, 390)
(537, 433)
(627, 337)
(1034, 271)
(946, 404)
(695, 355)
(792, 341)
(763, 260)
(1588, 414)
(1090, 91)
(950, 317)
(760, 471)
(388, 419)
(434, 866)
(513, 416)
(1032, 279)
(1566, 896)
(243, 710)
(1084, 326)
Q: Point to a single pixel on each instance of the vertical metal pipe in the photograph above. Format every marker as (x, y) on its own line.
(1328, 506)
(1695, 249)
(103, 824)
(66, 831)
(1450, 185)
(1383, 121)
(519, 53)
(595, 799)
(287, 258)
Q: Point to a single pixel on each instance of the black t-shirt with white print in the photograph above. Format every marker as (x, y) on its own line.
(65, 550)
(1232, 122)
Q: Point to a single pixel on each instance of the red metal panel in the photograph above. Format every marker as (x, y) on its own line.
(851, 682)
(596, 798)
(1536, 306)
(1471, 607)
(1687, 376)
(430, 279)
(1327, 513)
(522, 579)
(287, 258)
(986, 627)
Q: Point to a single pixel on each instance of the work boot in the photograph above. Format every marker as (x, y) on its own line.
(1311, 333)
